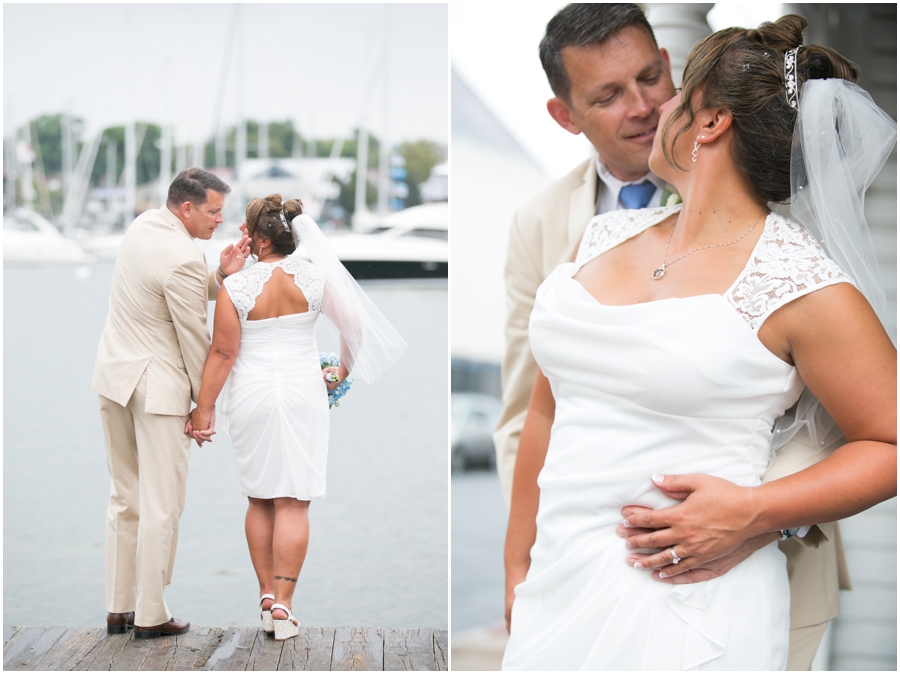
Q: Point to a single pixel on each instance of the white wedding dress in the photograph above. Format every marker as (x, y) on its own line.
(675, 386)
(275, 402)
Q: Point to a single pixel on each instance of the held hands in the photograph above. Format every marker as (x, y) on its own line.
(201, 425)
(334, 379)
(232, 258)
(710, 529)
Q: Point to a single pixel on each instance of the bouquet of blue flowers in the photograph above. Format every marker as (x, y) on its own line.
(334, 395)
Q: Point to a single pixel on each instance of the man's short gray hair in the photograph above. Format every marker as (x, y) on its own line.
(191, 185)
(580, 25)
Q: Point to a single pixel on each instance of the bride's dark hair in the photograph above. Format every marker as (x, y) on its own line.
(263, 218)
(742, 70)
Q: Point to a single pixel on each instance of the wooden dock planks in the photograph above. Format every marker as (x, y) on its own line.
(231, 649)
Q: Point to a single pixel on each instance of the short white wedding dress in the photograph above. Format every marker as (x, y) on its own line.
(275, 402)
(675, 386)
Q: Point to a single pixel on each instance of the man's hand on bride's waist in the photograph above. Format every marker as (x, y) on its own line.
(710, 531)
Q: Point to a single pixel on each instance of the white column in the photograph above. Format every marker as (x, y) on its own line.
(199, 159)
(678, 27)
(240, 155)
(180, 158)
(68, 151)
(362, 164)
(130, 172)
(262, 142)
(165, 164)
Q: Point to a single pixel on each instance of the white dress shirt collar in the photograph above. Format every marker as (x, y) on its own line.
(608, 188)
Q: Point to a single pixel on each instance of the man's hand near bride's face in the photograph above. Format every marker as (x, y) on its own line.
(705, 571)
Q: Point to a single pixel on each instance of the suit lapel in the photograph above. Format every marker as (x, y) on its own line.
(582, 204)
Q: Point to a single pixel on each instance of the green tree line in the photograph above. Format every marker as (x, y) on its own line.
(284, 141)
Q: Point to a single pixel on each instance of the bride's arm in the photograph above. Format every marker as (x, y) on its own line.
(522, 529)
(844, 356)
(222, 354)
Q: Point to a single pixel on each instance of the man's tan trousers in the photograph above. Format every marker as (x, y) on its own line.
(147, 455)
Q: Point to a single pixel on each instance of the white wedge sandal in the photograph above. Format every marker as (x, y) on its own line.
(287, 628)
(266, 616)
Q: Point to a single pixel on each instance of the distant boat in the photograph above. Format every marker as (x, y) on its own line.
(412, 243)
(30, 240)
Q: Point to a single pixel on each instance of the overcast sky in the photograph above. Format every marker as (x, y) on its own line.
(495, 50)
(312, 63)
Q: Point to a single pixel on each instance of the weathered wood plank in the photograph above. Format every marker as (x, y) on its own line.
(161, 654)
(358, 648)
(440, 650)
(110, 646)
(409, 650)
(8, 633)
(233, 651)
(132, 656)
(266, 653)
(74, 646)
(210, 644)
(187, 649)
(310, 651)
(29, 647)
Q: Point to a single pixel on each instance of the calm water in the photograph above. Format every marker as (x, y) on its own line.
(378, 545)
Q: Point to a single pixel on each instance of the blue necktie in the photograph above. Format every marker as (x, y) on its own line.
(637, 196)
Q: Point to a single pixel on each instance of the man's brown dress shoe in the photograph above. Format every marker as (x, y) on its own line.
(119, 623)
(174, 626)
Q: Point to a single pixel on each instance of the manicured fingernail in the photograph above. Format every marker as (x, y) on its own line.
(639, 566)
(621, 534)
(626, 524)
(629, 544)
(658, 478)
(662, 575)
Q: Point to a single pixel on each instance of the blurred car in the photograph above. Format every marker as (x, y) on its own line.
(473, 418)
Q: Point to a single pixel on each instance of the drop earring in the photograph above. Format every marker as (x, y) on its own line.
(696, 150)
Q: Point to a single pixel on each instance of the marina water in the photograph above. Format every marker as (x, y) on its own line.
(378, 541)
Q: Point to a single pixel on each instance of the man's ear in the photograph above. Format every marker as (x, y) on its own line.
(561, 113)
(665, 57)
(186, 209)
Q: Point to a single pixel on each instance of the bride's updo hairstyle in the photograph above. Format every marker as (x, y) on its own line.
(264, 218)
(742, 70)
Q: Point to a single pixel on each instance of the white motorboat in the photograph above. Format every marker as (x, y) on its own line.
(412, 243)
(30, 240)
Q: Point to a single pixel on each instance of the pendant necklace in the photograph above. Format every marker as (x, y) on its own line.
(660, 271)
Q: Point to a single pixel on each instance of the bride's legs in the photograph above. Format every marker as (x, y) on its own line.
(259, 526)
(291, 537)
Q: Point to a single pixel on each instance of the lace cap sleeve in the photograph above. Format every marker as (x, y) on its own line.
(245, 286)
(608, 230)
(309, 278)
(786, 264)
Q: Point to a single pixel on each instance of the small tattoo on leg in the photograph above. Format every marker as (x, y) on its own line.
(292, 580)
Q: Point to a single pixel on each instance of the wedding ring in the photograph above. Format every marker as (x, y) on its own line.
(675, 558)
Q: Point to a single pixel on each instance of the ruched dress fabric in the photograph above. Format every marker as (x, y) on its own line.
(676, 386)
(275, 402)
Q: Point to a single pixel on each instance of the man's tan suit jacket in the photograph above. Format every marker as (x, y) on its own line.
(157, 317)
(542, 236)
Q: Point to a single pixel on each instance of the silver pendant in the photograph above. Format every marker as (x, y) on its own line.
(659, 273)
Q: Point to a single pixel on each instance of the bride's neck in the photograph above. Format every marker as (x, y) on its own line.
(718, 203)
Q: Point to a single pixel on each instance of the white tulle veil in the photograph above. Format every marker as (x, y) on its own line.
(372, 342)
(841, 141)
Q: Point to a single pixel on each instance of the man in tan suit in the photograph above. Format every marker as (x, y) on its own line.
(609, 78)
(148, 369)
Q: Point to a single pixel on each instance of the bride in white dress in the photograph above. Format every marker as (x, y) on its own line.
(651, 369)
(275, 400)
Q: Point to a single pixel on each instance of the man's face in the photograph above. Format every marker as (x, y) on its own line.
(617, 88)
(201, 221)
